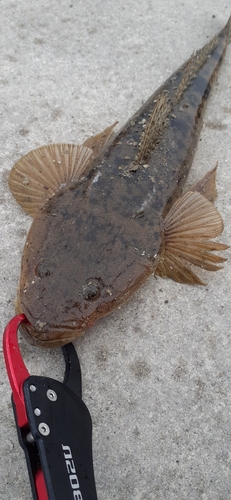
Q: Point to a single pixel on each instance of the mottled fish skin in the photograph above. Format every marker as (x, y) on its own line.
(94, 244)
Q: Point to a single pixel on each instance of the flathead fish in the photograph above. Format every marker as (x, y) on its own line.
(109, 213)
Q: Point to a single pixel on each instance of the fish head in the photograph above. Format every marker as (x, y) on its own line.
(81, 262)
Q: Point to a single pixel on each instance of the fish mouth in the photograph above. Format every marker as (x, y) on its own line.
(51, 339)
(54, 331)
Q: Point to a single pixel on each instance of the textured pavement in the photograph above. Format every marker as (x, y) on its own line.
(157, 372)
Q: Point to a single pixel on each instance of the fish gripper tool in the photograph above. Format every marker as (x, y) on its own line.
(53, 423)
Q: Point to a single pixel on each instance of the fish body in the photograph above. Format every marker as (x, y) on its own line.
(99, 237)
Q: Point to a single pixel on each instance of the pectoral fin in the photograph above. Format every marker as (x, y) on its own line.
(189, 225)
(37, 176)
(40, 174)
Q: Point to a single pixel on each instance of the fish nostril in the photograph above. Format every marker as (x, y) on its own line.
(91, 289)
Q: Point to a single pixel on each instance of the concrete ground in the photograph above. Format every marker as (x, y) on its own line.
(157, 372)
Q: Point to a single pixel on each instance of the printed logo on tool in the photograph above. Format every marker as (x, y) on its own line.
(77, 495)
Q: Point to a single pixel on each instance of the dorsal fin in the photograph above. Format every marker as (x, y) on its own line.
(154, 127)
(196, 60)
(188, 227)
(41, 173)
(164, 105)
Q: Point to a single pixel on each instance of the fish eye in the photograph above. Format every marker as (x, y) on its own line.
(91, 289)
(43, 270)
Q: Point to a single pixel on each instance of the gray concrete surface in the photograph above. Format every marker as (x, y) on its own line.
(157, 372)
